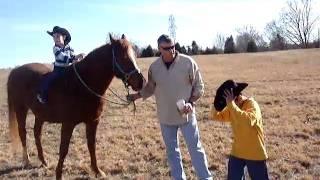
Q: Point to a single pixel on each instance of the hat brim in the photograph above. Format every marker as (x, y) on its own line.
(240, 87)
(62, 31)
(50, 33)
(220, 102)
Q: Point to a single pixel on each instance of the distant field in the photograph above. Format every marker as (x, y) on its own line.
(286, 84)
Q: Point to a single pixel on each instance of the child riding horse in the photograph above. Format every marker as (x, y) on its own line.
(70, 100)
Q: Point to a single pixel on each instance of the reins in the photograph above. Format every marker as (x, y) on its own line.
(124, 80)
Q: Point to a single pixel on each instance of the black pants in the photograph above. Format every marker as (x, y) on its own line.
(47, 80)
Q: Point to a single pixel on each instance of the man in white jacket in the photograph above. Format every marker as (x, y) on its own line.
(172, 77)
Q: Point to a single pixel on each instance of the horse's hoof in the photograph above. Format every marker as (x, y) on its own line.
(26, 163)
(58, 176)
(44, 165)
(100, 174)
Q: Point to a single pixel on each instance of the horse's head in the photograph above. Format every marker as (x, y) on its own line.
(124, 63)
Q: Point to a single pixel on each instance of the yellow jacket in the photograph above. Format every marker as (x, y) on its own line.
(248, 137)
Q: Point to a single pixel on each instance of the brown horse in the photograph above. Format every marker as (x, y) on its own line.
(70, 100)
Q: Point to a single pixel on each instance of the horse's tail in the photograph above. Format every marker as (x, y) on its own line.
(13, 123)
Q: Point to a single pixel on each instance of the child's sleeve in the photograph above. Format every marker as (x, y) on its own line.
(224, 115)
(60, 55)
(73, 57)
(251, 112)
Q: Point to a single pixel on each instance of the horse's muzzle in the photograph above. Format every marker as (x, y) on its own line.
(137, 81)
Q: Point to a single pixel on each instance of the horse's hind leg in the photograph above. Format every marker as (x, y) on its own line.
(21, 119)
(66, 133)
(91, 129)
(37, 136)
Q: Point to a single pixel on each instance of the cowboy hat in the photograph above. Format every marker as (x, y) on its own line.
(63, 31)
(219, 101)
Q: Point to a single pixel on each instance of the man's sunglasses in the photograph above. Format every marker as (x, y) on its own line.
(168, 48)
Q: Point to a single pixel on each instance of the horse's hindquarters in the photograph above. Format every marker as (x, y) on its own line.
(23, 83)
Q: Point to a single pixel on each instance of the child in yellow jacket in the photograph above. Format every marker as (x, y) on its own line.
(248, 148)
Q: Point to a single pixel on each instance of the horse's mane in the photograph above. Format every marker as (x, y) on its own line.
(102, 51)
(96, 53)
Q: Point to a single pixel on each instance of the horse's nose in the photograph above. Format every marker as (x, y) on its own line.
(141, 82)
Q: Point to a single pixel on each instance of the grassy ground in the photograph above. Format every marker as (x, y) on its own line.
(286, 84)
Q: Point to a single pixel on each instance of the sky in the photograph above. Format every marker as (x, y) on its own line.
(23, 23)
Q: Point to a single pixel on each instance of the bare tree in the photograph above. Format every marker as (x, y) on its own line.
(297, 22)
(273, 29)
(172, 27)
(220, 40)
(275, 35)
(246, 34)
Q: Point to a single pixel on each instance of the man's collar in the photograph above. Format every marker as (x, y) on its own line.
(175, 56)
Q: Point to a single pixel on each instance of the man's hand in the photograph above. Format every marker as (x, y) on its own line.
(228, 95)
(187, 108)
(133, 97)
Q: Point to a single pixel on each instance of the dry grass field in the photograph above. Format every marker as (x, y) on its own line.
(286, 84)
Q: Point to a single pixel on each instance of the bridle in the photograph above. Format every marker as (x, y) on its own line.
(124, 78)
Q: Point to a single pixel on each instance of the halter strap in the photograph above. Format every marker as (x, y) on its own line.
(126, 75)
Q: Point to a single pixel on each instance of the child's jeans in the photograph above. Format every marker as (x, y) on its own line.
(257, 169)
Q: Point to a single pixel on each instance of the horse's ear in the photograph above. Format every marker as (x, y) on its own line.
(123, 36)
(112, 40)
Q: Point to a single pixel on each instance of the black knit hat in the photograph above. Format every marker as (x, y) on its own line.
(63, 31)
(219, 100)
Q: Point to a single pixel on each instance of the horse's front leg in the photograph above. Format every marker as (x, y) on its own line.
(66, 133)
(91, 129)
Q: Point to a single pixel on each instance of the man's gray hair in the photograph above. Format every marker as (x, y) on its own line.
(164, 38)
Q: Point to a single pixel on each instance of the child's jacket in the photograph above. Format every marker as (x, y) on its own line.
(247, 128)
(63, 56)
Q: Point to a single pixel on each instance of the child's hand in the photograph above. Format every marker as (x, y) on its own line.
(228, 95)
(80, 56)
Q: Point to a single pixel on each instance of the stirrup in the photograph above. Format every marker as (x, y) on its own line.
(40, 99)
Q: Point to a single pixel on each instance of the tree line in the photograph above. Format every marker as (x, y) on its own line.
(293, 29)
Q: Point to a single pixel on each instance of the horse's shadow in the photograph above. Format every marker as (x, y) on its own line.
(17, 168)
(9, 170)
